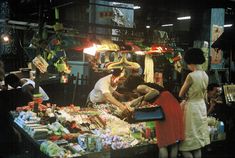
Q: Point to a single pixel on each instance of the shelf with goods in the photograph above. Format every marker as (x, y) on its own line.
(216, 129)
(74, 131)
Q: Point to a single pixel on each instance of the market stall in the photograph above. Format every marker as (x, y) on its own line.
(73, 132)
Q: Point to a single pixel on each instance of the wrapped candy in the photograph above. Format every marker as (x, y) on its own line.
(52, 149)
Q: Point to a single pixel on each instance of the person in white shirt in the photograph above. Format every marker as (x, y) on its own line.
(105, 90)
(26, 84)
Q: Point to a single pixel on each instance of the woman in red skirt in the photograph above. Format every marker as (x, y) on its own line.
(168, 131)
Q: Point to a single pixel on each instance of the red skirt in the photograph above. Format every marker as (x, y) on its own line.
(170, 130)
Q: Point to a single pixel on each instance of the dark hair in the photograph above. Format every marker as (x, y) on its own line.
(12, 80)
(132, 82)
(116, 72)
(194, 56)
(211, 86)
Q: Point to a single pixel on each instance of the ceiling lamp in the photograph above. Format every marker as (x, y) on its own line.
(228, 25)
(136, 7)
(184, 18)
(167, 25)
(90, 50)
(5, 38)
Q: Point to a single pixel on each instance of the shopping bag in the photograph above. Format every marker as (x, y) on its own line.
(149, 114)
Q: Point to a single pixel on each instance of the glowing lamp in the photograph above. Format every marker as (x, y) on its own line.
(5, 39)
(90, 50)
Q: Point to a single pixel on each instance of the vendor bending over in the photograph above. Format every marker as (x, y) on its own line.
(169, 131)
(105, 90)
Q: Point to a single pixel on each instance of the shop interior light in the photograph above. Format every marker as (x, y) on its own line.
(167, 25)
(116, 3)
(90, 50)
(140, 52)
(148, 27)
(17, 22)
(136, 7)
(5, 39)
(184, 18)
(228, 25)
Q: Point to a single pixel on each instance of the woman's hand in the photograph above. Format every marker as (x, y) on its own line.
(126, 111)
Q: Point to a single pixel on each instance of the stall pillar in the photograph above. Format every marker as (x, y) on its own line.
(216, 29)
(4, 14)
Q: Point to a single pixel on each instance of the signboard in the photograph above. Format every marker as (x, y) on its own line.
(216, 54)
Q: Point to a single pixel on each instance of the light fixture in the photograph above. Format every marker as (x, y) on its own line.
(64, 78)
(90, 50)
(228, 25)
(136, 7)
(184, 18)
(17, 22)
(148, 27)
(166, 25)
(140, 52)
(5, 38)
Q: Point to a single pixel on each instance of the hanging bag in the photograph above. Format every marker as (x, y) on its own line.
(149, 114)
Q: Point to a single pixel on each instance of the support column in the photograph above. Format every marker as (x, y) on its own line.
(4, 15)
(216, 29)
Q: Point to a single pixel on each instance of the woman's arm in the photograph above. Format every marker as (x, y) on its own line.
(210, 107)
(185, 87)
(149, 93)
(118, 95)
(109, 98)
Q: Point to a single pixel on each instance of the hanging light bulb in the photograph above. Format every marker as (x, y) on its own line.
(90, 50)
(5, 38)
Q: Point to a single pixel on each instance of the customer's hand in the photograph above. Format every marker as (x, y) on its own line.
(126, 112)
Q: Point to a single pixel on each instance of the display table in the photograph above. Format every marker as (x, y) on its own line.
(32, 146)
(28, 144)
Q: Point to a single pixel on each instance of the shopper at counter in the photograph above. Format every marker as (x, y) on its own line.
(105, 91)
(26, 84)
(213, 97)
(169, 131)
(8, 137)
(195, 112)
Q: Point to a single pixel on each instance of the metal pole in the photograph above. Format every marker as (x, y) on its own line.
(38, 52)
(75, 89)
(40, 29)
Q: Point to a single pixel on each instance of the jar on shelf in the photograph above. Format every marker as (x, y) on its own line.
(37, 98)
